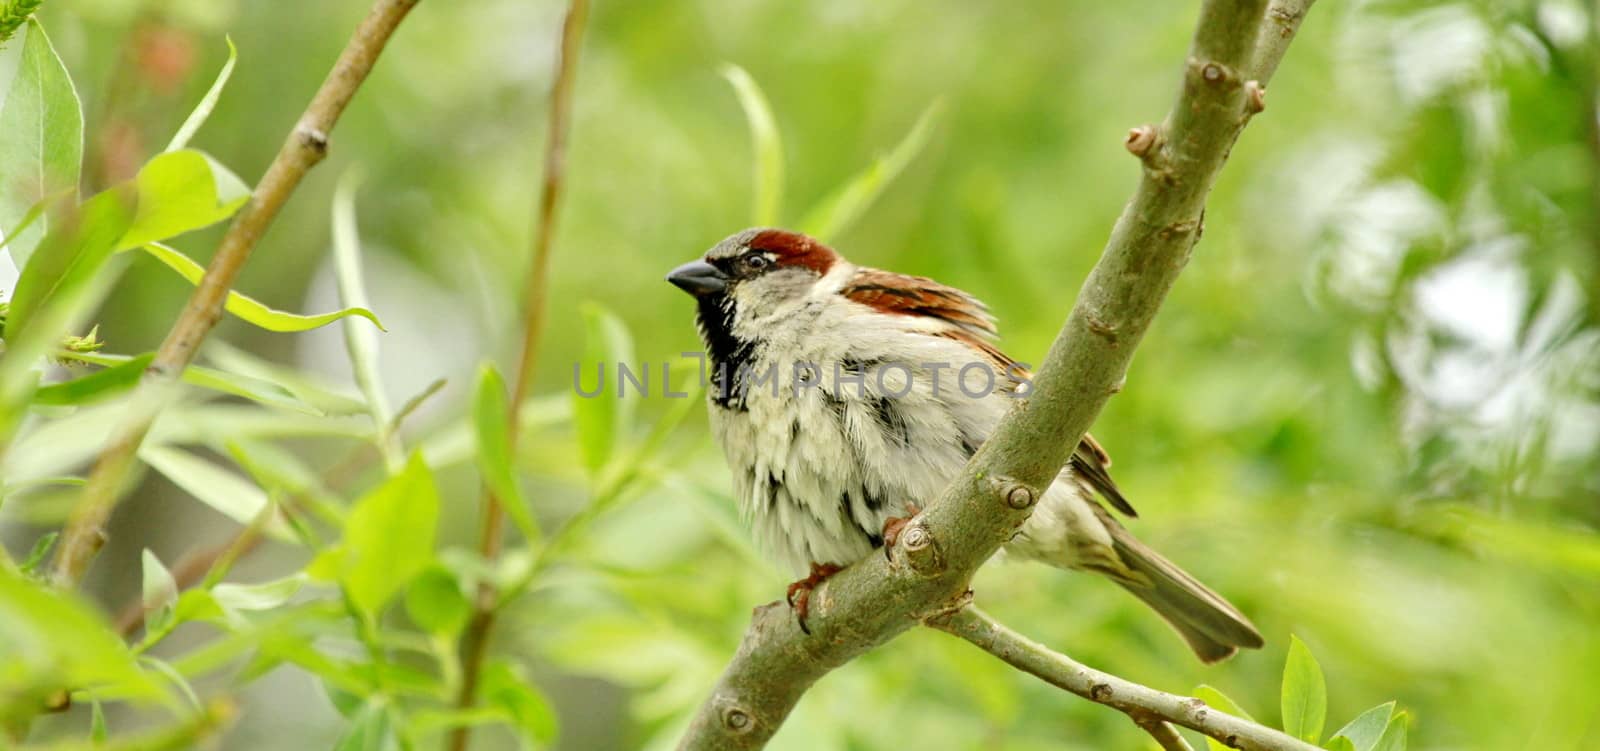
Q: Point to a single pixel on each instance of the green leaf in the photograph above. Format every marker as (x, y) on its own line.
(225, 491)
(841, 208)
(1394, 736)
(506, 687)
(1364, 731)
(63, 279)
(41, 548)
(768, 161)
(182, 191)
(50, 639)
(389, 536)
(61, 270)
(207, 103)
(101, 383)
(601, 418)
(263, 596)
(370, 731)
(97, 723)
(1305, 694)
(254, 389)
(1340, 743)
(360, 342)
(321, 394)
(436, 603)
(492, 419)
(41, 152)
(159, 593)
(250, 309)
(1215, 698)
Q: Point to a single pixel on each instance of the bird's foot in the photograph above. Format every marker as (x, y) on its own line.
(799, 595)
(893, 525)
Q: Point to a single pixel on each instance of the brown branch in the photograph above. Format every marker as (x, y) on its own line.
(306, 145)
(928, 571)
(1166, 736)
(475, 641)
(1146, 706)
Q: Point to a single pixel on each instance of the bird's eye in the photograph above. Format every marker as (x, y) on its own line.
(755, 261)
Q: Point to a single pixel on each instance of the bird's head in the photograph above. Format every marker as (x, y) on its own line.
(758, 268)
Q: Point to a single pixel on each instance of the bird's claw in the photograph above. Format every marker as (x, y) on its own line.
(799, 594)
(894, 525)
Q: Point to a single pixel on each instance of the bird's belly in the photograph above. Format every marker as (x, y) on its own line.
(819, 470)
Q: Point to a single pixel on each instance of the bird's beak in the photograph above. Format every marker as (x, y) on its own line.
(698, 278)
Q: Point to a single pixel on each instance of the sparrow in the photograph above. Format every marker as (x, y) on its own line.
(842, 394)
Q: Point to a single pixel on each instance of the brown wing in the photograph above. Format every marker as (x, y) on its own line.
(1091, 462)
(901, 294)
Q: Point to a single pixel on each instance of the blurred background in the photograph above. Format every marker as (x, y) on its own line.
(1369, 412)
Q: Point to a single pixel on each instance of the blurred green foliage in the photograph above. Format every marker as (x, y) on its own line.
(1369, 413)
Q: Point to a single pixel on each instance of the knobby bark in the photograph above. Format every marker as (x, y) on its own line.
(305, 147)
(1237, 46)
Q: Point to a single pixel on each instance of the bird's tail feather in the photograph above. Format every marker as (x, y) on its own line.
(1213, 627)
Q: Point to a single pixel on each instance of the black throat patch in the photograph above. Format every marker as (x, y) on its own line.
(729, 356)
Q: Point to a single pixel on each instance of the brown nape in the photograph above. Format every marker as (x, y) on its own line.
(795, 250)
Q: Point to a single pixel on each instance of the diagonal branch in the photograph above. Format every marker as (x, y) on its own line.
(929, 569)
(1150, 708)
(306, 145)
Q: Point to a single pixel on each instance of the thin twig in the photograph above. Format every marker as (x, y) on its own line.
(475, 641)
(1145, 705)
(306, 145)
(190, 570)
(1166, 736)
(930, 567)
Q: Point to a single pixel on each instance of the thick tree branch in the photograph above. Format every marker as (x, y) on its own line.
(475, 642)
(1148, 707)
(927, 573)
(306, 145)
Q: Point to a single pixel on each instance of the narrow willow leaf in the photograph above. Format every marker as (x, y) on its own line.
(182, 191)
(228, 493)
(41, 548)
(159, 593)
(254, 389)
(1364, 731)
(602, 414)
(768, 160)
(1215, 698)
(841, 208)
(1305, 694)
(360, 342)
(249, 309)
(370, 730)
(207, 103)
(175, 678)
(99, 384)
(389, 536)
(505, 686)
(263, 596)
(1394, 736)
(1340, 743)
(491, 419)
(97, 723)
(41, 152)
(320, 393)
